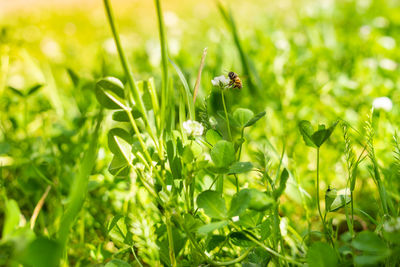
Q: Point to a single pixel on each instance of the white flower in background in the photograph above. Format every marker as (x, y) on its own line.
(387, 42)
(109, 46)
(51, 49)
(380, 22)
(220, 81)
(392, 226)
(235, 218)
(382, 103)
(193, 128)
(170, 19)
(387, 64)
(16, 81)
(365, 31)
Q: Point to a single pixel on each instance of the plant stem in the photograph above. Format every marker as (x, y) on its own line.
(327, 234)
(201, 250)
(137, 100)
(78, 190)
(164, 60)
(226, 115)
(318, 204)
(136, 258)
(170, 238)
(271, 251)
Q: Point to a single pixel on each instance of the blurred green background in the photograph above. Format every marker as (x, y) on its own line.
(314, 60)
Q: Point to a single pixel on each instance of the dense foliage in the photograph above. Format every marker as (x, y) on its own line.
(141, 149)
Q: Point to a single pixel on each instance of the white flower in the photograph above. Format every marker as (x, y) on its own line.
(220, 81)
(392, 226)
(387, 42)
(380, 22)
(387, 64)
(382, 103)
(235, 218)
(193, 128)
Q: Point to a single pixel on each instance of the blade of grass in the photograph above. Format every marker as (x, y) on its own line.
(187, 93)
(79, 189)
(196, 86)
(164, 63)
(128, 73)
(227, 15)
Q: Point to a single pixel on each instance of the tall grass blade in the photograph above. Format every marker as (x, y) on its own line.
(79, 188)
(187, 93)
(247, 69)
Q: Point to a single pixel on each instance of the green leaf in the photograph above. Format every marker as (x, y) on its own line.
(240, 167)
(306, 131)
(369, 242)
(212, 203)
(73, 76)
(282, 183)
(215, 241)
(373, 247)
(118, 230)
(213, 137)
(34, 88)
(117, 263)
(259, 201)
(320, 136)
(118, 166)
(13, 215)
(240, 239)
(208, 228)
(339, 202)
(330, 196)
(321, 255)
(42, 252)
(187, 155)
(239, 203)
(223, 154)
(265, 228)
(119, 143)
(121, 115)
(113, 222)
(255, 119)
(110, 93)
(16, 91)
(242, 116)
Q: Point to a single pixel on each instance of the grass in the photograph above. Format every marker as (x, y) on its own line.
(255, 187)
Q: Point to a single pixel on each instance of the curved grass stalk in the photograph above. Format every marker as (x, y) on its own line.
(133, 95)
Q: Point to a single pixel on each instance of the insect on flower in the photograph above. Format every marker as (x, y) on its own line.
(235, 81)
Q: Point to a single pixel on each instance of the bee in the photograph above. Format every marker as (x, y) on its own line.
(235, 80)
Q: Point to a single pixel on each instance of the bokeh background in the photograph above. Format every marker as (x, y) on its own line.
(314, 60)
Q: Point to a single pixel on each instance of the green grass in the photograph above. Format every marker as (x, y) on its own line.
(264, 184)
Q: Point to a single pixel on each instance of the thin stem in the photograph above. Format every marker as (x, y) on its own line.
(205, 256)
(352, 211)
(164, 60)
(318, 204)
(271, 251)
(39, 206)
(170, 238)
(237, 183)
(136, 258)
(327, 233)
(197, 84)
(131, 81)
(226, 115)
(241, 143)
